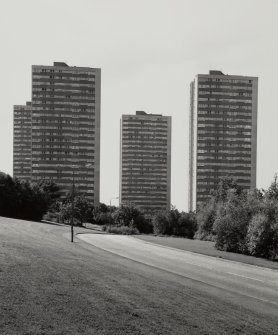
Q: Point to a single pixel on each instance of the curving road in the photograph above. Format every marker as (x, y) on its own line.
(122, 285)
(247, 285)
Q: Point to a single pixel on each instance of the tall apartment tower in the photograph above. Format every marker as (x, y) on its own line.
(145, 162)
(66, 127)
(22, 141)
(222, 133)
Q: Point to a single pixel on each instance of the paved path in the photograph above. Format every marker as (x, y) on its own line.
(245, 284)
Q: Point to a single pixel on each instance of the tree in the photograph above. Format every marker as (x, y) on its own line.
(103, 208)
(205, 220)
(173, 216)
(175, 223)
(260, 235)
(186, 225)
(103, 219)
(50, 190)
(102, 214)
(272, 192)
(81, 210)
(160, 224)
(65, 211)
(242, 221)
(131, 216)
(254, 202)
(7, 196)
(231, 223)
(24, 200)
(206, 214)
(224, 186)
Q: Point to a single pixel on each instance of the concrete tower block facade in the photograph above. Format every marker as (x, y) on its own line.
(222, 133)
(145, 161)
(22, 136)
(66, 127)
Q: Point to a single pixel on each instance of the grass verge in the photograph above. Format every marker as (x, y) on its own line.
(206, 248)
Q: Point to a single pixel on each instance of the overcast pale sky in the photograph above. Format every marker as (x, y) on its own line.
(149, 51)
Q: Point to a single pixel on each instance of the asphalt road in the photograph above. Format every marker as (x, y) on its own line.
(247, 285)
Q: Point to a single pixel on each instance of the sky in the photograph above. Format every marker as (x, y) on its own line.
(148, 51)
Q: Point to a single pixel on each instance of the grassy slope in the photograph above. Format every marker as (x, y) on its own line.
(51, 286)
(206, 248)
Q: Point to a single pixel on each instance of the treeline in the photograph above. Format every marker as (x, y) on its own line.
(129, 219)
(24, 200)
(241, 221)
(123, 219)
(237, 220)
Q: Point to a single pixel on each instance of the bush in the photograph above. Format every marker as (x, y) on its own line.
(130, 216)
(144, 225)
(231, 224)
(103, 219)
(49, 216)
(175, 223)
(206, 214)
(241, 221)
(102, 214)
(123, 230)
(186, 225)
(205, 220)
(166, 223)
(160, 224)
(258, 235)
(262, 236)
(229, 236)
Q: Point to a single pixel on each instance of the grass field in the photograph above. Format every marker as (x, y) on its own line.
(206, 248)
(51, 286)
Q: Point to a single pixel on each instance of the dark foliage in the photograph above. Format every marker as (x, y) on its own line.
(130, 216)
(186, 225)
(24, 200)
(122, 230)
(161, 224)
(102, 214)
(77, 208)
(205, 218)
(175, 223)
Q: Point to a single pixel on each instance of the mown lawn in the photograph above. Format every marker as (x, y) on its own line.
(49, 285)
